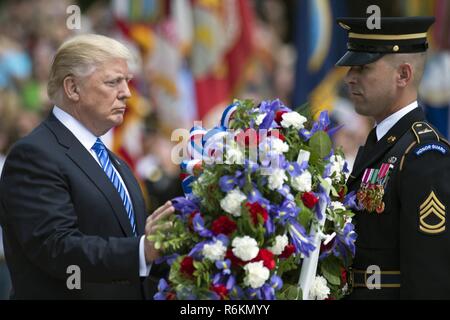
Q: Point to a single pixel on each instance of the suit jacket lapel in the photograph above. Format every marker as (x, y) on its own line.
(364, 161)
(81, 157)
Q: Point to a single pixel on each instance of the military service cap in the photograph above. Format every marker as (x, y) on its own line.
(395, 35)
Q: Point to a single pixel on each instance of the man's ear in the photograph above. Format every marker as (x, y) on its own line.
(71, 88)
(405, 74)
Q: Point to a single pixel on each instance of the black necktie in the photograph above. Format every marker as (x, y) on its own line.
(371, 139)
(370, 143)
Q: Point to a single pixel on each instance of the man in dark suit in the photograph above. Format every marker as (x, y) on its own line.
(402, 173)
(68, 206)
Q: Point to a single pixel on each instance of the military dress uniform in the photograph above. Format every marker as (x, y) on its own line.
(403, 247)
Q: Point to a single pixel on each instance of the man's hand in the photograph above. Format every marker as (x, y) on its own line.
(152, 224)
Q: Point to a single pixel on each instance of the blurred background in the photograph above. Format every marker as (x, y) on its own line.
(194, 56)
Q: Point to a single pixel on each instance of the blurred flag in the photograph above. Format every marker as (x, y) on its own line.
(320, 43)
(434, 91)
(221, 51)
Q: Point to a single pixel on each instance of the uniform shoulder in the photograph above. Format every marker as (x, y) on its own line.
(425, 138)
(425, 132)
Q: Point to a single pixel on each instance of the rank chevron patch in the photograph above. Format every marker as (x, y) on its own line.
(434, 210)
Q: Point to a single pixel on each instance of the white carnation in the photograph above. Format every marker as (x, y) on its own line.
(337, 165)
(279, 146)
(277, 179)
(259, 118)
(319, 289)
(303, 182)
(256, 274)
(337, 205)
(234, 155)
(232, 202)
(280, 243)
(245, 248)
(303, 155)
(214, 251)
(293, 119)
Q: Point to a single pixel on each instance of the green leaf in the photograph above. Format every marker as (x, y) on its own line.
(305, 216)
(320, 143)
(331, 270)
(292, 292)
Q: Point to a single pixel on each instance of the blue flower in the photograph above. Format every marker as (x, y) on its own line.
(285, 191)
(272, 106)
(348, 237)
(169, 259)
(222, 238)
(227, 183)
(163, 289)
(253, 294)
(276, 282)
(199, 226)
(236, 293)
(185, 206)
(231, 283)
(224, 266)
(197, 249)
(287, 211)
(269, 225)
(324, 200)
(302, 242)
(250, 166)
(351, 202)
(267, 121)
(255, 196)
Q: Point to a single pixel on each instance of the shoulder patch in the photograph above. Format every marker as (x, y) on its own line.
(431, 146)
(424, 132)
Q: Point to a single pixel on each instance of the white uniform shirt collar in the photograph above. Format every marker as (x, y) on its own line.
(86, 137)
(384, 126)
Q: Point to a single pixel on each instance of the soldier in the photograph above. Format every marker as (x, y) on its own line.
(402, 174)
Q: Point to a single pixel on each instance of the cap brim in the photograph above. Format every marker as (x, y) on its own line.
(356, 58)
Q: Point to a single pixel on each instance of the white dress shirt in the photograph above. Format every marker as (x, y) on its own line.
(88, 139)
(384, 126)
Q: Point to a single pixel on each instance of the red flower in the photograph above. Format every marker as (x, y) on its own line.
(256, 210)
(277, 134)
(234, 260)
(191, 218)
(343, 276)
(309, 199)
(267, 257)
(223, 225)
(288, 251)
(279, 116)
(221, 290)
(183, 176)
(326, 248)
(341, 194)
(170, 296)
(248, 138)
(187, 266)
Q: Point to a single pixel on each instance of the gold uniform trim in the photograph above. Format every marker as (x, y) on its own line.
(420, 128)
(406, 152)
(387, 36)
(386, 285)
(432, 205)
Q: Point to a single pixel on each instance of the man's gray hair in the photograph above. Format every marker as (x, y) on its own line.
(79, 56)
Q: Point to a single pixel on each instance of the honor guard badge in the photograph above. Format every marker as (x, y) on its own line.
(432, 215)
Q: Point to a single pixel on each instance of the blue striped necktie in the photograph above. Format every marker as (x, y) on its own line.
(100, 149)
